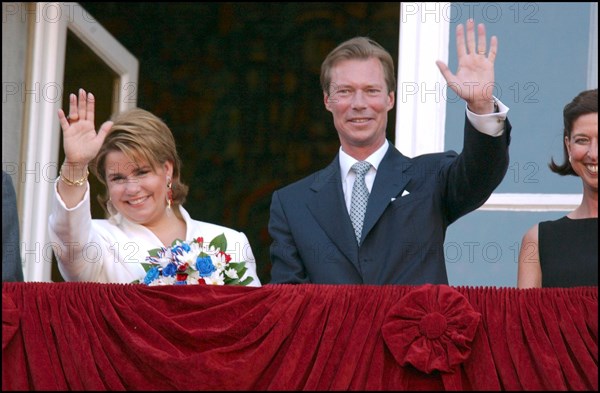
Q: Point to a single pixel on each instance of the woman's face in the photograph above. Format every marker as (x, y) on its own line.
(135, 190)
(583, 149)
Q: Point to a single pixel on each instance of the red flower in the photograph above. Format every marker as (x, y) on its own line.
(431, 328)
(227, 256)
(182, 268)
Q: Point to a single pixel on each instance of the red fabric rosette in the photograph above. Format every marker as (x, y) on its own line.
(431, 328)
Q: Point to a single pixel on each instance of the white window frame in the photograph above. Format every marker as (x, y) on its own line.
(41, 133)
(420, 120)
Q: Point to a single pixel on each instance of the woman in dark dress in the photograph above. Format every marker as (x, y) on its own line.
(564, 253)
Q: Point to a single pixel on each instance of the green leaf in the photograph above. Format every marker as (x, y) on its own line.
(219, 242)
(239, 267)
(154, 252)
(236, 281)
(241, 272)
(175, 242)
(231, 281)
(148, 266)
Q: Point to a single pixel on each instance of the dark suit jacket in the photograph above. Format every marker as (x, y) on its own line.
(12, 269)
(403, 236)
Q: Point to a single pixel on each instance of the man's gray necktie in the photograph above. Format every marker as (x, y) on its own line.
(360, 197)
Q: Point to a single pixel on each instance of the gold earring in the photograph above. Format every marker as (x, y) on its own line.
(169, 196)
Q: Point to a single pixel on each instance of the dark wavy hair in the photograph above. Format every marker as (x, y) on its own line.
(585, 103)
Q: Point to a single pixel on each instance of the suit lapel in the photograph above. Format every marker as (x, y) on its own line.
(392, 177)
(329, 209)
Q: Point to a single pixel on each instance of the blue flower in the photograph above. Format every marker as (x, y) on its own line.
(151, 275)
(188, 263)
(205, 266)
(170, 270)
(176, 250)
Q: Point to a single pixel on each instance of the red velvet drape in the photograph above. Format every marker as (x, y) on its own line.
(85, 336)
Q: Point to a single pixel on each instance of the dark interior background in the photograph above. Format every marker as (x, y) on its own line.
(238, 84)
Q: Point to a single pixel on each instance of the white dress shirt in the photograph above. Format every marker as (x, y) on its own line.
(491, 124)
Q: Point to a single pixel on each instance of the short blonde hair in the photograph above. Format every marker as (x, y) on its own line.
(142, 137)
(358, 48)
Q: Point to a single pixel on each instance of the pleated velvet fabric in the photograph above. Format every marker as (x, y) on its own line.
(88, 336)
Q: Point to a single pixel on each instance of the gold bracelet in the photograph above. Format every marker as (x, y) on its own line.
(78, 182)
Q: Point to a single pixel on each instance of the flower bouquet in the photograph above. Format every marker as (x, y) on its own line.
(194, 262)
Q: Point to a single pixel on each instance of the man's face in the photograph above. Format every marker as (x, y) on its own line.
(359, 100)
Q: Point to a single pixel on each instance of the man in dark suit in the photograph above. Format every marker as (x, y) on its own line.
(317, 225)
(12, 269)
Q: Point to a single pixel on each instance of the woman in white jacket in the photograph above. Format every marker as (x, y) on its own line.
(136, 158)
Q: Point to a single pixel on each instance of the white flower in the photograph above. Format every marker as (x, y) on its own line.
(184, 262)
(190, 256)
(164, 257)
(219, 262)
(216, 278)
(231, 273)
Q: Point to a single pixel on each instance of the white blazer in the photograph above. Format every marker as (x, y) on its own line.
(111, 251)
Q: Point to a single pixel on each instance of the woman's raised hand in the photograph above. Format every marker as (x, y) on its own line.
(81, 142)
